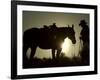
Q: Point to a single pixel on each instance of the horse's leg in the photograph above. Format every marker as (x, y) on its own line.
(33, 49)
(53, 53)
(58, 53)
(25, 47)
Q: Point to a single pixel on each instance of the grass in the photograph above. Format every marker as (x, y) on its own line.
(62, 61)
(58, 62)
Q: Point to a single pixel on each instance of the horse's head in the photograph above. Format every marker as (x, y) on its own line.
(71, 34)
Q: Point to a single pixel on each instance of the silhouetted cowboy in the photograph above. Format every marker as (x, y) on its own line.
(85, 32)
(85, 38)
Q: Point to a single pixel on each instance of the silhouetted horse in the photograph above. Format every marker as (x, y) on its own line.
(46, 38)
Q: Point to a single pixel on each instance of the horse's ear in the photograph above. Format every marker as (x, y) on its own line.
(73, 26)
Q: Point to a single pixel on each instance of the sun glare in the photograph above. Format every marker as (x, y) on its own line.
(66, 46)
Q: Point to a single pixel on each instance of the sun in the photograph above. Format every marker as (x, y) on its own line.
(66, 46)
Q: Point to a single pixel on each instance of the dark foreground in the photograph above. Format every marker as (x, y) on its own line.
(58, 62)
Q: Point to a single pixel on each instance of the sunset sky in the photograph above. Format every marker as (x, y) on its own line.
(33, 19)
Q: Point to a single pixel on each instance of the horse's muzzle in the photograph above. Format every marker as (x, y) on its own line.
(74, 41)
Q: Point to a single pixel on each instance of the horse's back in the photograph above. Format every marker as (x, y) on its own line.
(30, 35)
